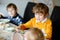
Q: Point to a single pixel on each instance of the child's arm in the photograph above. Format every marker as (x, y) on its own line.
(49, 31)
(26, 25)
(21, 27)
(1, 15)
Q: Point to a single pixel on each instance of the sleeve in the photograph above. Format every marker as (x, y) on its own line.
(49, 30)
(19, 21)
(28, 24)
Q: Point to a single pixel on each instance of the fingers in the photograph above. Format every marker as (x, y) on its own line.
(17, 29)
(22, 27)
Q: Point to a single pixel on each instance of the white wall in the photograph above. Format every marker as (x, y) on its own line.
(56, 2)
(21, 4)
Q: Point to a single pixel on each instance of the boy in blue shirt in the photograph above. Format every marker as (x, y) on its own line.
(14, 17)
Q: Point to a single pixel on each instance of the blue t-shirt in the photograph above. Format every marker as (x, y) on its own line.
(17, 20)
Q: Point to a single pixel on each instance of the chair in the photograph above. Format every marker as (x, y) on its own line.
(28, 14)
(55, 17)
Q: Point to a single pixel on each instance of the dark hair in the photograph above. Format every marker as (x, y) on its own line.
(12, 5)
(41, 8)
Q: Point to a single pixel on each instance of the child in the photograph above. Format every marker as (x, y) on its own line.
(14, 17)
(33, 34)
(40, 20)
(1, 16)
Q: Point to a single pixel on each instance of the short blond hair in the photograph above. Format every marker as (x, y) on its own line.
(41, 7)
(34, 34)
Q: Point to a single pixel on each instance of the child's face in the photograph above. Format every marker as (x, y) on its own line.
(39, 16)
(11, 11)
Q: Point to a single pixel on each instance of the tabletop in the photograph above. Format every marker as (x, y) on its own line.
(7, 33)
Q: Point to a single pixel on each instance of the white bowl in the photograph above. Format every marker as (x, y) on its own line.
(4, 21)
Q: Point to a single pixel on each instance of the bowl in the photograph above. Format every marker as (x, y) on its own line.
(2, 21)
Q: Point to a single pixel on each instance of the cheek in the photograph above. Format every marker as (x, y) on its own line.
(9, 13)
(13, 12)
(36, 16)
(40, 17)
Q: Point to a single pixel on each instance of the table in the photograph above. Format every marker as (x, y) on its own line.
(9, 35)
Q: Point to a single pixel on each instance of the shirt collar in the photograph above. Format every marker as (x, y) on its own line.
(42, 20)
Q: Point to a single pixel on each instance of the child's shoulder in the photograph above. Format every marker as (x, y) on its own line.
(33, 18)
(49, 21)
(19, 16)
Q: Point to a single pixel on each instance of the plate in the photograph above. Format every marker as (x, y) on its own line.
(4, 21)
(10, 29)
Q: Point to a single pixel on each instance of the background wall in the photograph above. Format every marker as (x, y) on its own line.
(56, 2)
(21, 4)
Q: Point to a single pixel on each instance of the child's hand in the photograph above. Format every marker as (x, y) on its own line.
(17, 29)
(22, 27)
(1, 15)
(44, 32)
